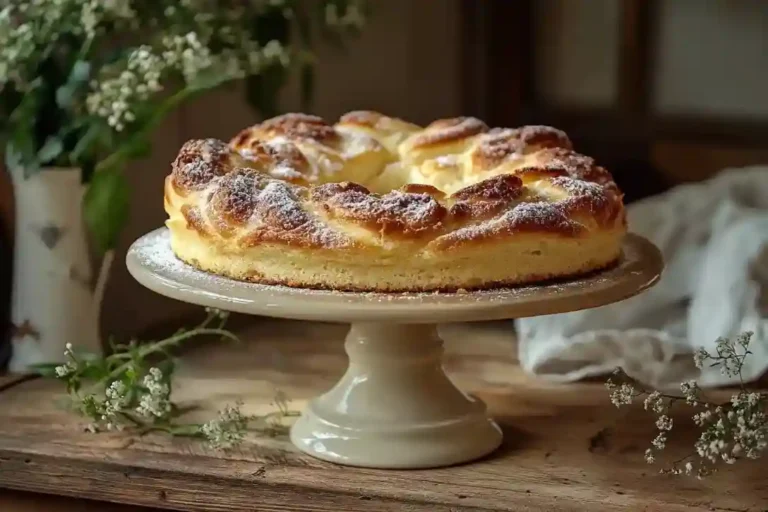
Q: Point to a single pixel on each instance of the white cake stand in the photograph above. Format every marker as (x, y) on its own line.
(395, 407)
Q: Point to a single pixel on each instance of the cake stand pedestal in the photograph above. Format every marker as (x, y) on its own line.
(394, 407)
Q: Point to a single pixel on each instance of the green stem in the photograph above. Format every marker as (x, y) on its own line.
(190, 430)
(157, 117)
(161, 345)
(85, 48)
(131, 418)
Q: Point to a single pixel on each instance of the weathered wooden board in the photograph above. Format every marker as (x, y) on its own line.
(10, 380)
(21, 501)
(566, 447)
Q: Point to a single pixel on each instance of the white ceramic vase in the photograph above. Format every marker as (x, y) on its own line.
(54, 299)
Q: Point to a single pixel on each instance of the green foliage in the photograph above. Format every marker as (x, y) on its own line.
(106, 206)
(85, 83)
(132, 389)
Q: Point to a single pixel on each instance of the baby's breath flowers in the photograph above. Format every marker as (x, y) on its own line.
(83, 83)
(155, 402)
(729, 431)
(125, 391)
(228, 429)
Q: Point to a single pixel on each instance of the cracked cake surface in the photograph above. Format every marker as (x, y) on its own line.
(376, 203)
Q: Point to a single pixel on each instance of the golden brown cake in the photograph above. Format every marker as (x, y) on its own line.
(374, 203)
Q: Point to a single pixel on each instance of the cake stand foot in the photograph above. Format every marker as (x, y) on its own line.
(395, 407)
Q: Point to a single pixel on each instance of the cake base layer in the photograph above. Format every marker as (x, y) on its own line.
(521, 260)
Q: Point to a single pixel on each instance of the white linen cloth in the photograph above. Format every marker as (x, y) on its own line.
(714, 238)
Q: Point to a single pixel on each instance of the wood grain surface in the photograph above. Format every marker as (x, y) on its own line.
(18, 501)
(566, 447)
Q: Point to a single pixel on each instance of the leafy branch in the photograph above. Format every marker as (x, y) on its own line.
(131, 389)
(84, 84)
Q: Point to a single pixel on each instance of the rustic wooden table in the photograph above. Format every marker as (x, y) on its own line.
(19, 501)
(566, 447)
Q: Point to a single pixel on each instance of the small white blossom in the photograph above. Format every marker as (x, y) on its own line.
(187, 54)
(729, 431)
(691, 392)
(113, 97)
(228, 429)
(702, 418)
(65, 370)
(655, 403)
(727, 357)
(649, 458)
(743, 339)
(115, 402)
(96, 12)
(700, 356)
(623, 395)
(664, 423)
(274, 51)
(155, 402)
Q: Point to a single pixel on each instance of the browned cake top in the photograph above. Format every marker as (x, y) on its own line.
(299, 180)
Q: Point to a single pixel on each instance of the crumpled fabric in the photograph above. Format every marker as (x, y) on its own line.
(714, 238)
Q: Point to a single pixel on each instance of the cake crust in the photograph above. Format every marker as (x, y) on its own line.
(375, 203)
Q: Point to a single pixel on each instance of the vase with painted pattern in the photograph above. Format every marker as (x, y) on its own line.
(53, 300)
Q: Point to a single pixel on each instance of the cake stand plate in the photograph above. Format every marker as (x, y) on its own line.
(394, 407)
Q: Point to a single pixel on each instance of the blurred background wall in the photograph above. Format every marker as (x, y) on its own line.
(687, 78)
(660, 91)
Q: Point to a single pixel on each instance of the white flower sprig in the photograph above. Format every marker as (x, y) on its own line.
(125, 392)
(155, 402)
(84, 83)
(228, 429)
(729, 431)
(114, 97)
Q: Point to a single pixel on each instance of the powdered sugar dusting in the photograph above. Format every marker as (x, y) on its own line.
(580, 187)
(358, 143)
(327, 166)
(279, 144)
(234, 198)
(277, 206)
(199, 162)
(410, 212)
(448, 130)
(285, 172)
(544, 136)
(574, 164)
(447, 160)
(415, 209)
(540, 214)
(498, 145)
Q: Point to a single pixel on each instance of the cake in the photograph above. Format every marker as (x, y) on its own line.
(376, 203)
